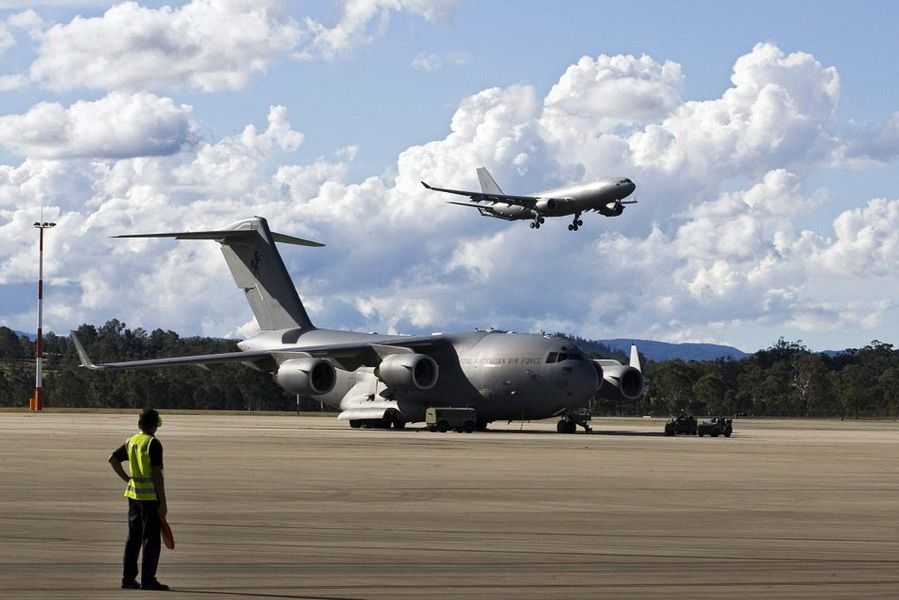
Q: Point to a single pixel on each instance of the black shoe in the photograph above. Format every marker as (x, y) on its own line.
(154, 585)
(130, 585)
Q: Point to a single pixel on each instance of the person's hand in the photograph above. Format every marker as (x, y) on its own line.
(163, 511)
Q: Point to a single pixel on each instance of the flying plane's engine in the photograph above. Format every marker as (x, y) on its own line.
(618, 381)
(546, 204)
(306, 376)
(408, 371)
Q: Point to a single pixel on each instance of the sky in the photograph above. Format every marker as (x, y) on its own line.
(763, 138)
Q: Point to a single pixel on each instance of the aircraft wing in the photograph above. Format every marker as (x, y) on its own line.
(349, 355)
(487, 211)
(526, 201)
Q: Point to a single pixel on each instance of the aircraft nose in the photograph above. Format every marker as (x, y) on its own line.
(629, 187)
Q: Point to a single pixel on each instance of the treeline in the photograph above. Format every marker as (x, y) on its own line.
(786, 379)
(66, 384)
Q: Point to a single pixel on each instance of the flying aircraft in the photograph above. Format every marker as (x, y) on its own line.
(605, 196)
(389, 380)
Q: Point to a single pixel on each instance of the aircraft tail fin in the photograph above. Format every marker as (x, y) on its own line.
(256, 265)
(488, 185)
(635, 358)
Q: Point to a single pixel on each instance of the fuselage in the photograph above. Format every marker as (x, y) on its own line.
(601, 194)
(504, 376)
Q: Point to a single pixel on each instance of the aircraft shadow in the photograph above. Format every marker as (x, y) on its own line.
(615, 432)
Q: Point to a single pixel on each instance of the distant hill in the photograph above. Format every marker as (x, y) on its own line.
(661, 351)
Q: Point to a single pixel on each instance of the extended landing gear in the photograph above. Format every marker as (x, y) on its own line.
(576, 223)
(537, 222)
(569, 423)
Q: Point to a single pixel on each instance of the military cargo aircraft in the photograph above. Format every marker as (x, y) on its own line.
(605, 196)
(390, 380)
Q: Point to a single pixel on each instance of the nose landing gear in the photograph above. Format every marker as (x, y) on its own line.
(576, 223)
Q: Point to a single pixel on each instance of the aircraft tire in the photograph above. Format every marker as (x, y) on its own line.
(533, 226)
(355, 423)
(398, 424)
(442, 426)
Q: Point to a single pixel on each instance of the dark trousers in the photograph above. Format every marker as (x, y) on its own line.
(143, 531)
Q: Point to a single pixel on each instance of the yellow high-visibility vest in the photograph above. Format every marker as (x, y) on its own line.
(140, 486)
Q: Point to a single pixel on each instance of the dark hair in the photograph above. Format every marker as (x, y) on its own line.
(148, 419)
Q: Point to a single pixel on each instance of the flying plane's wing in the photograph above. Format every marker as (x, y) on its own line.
(487, 211)
(526, 201)
(349, 355)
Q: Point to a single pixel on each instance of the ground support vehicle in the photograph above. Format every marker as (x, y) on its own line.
(445, 418)
(685, 424)
(716, 426)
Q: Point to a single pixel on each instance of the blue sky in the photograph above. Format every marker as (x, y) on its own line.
(768, 205)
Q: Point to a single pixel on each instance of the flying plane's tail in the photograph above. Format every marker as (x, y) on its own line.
(257, 268)
(488, 186)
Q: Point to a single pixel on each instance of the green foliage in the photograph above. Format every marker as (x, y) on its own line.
(66, 384)
(786, 379)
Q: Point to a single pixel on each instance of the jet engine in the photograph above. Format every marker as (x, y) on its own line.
(306, 376)
(408, 371)
(546, 204)
(617, 381)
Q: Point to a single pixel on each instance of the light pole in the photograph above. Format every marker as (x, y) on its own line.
(37, 400)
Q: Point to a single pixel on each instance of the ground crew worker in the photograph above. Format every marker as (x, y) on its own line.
(146, 500)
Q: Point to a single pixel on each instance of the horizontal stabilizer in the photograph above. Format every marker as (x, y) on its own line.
(222, 235)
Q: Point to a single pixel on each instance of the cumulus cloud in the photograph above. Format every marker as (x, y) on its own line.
(119, 125)
(359, 17)
(866, 242)
(776, 113)
(878, 143)
(689, 262)
(205, 44)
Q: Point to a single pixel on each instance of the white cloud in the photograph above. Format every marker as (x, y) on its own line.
(436, 62)
(879, 143)
(12, 82)
(7, 39)
(689, 262)
(205, 44)
(359, 17)
(866, 242)
(119, 125)
(776, 114)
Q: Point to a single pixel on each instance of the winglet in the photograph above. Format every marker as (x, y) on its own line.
(426, 185)
(635, 358)
(86, 361)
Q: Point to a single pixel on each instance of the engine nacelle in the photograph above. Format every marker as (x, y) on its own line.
(617, 381)
(408, 371)
(546, 205)
(306, 376)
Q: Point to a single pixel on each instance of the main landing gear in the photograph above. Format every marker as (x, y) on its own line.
(569, 423)
(535, 224)
(576, 223)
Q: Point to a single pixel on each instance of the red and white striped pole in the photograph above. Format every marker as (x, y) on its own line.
(37, 401)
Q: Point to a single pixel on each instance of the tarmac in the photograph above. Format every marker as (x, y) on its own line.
(304, 507)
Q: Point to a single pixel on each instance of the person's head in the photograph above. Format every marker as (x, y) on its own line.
(149, 420)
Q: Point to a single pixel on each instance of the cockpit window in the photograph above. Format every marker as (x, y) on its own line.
(563, 356)
(552, 357)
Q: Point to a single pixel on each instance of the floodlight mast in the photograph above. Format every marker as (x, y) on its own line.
(37, 400)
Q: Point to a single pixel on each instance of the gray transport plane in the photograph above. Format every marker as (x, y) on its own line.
(390, 380)
(605, 196)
